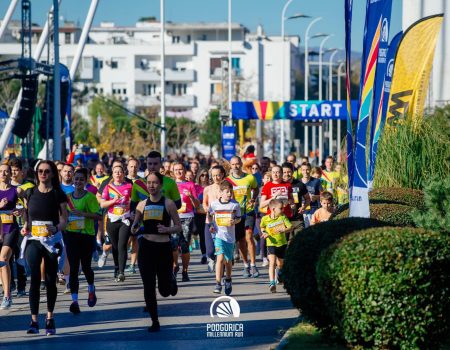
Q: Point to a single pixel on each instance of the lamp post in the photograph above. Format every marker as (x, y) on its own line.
(230, 66)
(305, 128)
(339, 75)
(320, 94)
(330, 97)
(163, 83)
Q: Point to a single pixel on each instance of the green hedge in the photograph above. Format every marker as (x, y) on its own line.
(405, 196)
(391, 214)
(299, 269)
(388, 288)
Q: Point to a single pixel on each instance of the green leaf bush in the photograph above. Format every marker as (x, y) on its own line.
(405, 196)
(388, 288)
(299, 270)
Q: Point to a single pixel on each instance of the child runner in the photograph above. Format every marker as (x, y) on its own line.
(324, 213)
(274, 227)
(227, 213)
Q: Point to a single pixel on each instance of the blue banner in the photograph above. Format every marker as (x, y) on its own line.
(228, 142)
(293, 110)
(3, 119)
(348, 53)
(380, 111)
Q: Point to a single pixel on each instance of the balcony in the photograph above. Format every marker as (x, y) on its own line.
(145, 101)
(180, 49)
(146, 74)
(180, 75)
(180, 101)
(217, 74)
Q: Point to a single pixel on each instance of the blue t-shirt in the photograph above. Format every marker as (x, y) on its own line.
(67, 188)
(314, 186)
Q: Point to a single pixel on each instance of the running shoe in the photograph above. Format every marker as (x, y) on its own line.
(131, 269)
(3, 263)
(237, 257)
(280, 279)
(211, 265)
(67, 290)
(176, 269)
(120, 277)
(246, 273)
(265, 262)
(33, 328)
(155, 327)
(74, 308)
(203, 260)
(116, 272)
(21, 293)
(6, 303)
(42, 285)
(102, 260)
(92, 298)
(228, 287)
(50, 327)
(217, 288)
(254, 271)
(273, 287)
(185, 277)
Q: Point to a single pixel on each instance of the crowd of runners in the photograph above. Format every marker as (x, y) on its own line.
(58, 218)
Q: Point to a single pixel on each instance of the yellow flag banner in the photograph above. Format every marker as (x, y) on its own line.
(412, 69)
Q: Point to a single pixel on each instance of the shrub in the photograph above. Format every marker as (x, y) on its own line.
(405, 196)
(437, 206)
(299, 269)
(388, 288)
(391, 214)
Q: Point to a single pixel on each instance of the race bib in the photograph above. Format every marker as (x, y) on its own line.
(75, 223)
(40, 228)
(153, 212)
(119, 210)
(240, 191)
(182, 208)
(7, 217)
(295, 195)
(223, 219)
(276, 227)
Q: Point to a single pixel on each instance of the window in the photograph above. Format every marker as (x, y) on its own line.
(236, 65)
(176, 39)
(114, 64)
(204, 37)
(124, 91)
(188, 39)
(179, 89)
(98, 64)
(67, 38)
(149, 89)
(214, 66)
(114, 91)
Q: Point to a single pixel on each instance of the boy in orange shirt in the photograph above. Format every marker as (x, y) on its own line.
(325, 211)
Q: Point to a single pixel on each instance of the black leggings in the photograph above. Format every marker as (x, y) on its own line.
(200, 220)
(155, 259)
(79, 249)
(34, 253)
(118, 233)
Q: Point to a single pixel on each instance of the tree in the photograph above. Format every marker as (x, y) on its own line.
(180, 132)
(211, 133)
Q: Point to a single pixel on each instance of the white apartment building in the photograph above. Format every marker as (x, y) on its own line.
(125, 62)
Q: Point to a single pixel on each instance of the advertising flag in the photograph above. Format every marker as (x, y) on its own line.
(228, 141)
(359, 193)
(413, 63)
(380, 107)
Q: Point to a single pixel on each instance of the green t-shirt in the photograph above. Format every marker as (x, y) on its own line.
(86, 204)
(170, 189)
(276, 229)
(242, 190)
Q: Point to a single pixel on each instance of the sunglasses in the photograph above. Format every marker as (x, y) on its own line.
(44, 171)
(203, 175)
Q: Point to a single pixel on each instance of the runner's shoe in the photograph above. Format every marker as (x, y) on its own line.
(176, 269)
(92, 298)
(265, 262)
(155, 327)
(102, 260)
(228, 287)
(246, 273)
(43, 285)
(34, 328)
(185, 277)
(131, 269)
(6, 303)
(254, 271)
(217, 288)
(120, 277)
(50, 327)
(21, 293)
(74, 308)
(211, 265)
(273, 287)
(203, 260)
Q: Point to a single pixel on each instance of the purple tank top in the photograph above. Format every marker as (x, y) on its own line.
(6, 211)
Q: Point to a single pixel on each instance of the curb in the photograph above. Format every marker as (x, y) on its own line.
(284, 339)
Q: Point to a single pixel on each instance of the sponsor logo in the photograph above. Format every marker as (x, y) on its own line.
(225, 307)
(385, 30)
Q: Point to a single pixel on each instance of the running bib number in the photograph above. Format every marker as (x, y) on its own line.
(276, 227)
(240, 191)
(119, 210)
(7, 217)
(295, 195)
(153, 212)
(40, 228)
(75, 223)
(223, 219)
(183, 208)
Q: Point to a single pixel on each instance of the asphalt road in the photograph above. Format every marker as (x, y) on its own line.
(118, 320)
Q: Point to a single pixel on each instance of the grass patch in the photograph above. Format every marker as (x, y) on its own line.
(305, 336)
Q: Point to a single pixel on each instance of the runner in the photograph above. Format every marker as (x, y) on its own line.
(46, 218)
(116, 197)
(155, 251)
(245, 189)
(326, 210)
(211, 194)
(100, 175)
(9, 196)
(201, 183)
(329, 175)
(186, 212)
(261, 211)
(79, 238)
(67, 178)
(226, 213)
(314, 187)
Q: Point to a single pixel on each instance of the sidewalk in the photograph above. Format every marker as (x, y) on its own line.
(118, 321)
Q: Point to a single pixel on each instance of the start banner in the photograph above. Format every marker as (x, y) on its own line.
(293, 110)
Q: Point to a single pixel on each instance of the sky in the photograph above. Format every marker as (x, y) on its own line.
(250, 13)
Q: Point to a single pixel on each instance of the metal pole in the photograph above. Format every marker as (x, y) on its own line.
(57, 145)
(83, 38)
(283, 82)
(339, 138)
(320, 96)
(8, 15)
(305, 128)
(163, 83)
(230, 67)
(4, 138)
(330, 96)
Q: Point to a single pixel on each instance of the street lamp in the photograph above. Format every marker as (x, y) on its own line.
(339, 75)
(305, 128)
(320, 94)
(330, 97)
(163, 83)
